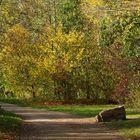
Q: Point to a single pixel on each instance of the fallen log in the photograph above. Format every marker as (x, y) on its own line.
(118, 113)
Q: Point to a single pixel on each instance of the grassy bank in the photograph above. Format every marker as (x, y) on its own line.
(129, 128)
(9, 125)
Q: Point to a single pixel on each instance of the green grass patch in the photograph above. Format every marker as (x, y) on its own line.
(83, 110)
(20, 102)
(129, 128)
(9, 124)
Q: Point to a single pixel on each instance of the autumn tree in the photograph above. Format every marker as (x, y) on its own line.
(22, 63)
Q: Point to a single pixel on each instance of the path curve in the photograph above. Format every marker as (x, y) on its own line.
(49, 125)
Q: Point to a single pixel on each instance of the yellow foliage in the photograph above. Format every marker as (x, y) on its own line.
(17, 37)
(67, 49)
(90, 11)
(22, 62)
(95, 2)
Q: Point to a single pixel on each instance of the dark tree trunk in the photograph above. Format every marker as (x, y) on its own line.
(33, 92)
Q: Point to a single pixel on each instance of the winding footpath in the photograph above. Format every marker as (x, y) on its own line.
(49, 125)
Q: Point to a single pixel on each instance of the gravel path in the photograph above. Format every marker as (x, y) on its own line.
(49, 125)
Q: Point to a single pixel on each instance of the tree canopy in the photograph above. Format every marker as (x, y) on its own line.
(70, 50)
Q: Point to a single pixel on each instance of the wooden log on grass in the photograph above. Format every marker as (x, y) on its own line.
(118, 113)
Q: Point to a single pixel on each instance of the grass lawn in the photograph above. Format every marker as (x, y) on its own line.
(9, 125)
(129, 128)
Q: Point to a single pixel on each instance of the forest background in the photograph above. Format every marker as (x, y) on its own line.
(73, 51)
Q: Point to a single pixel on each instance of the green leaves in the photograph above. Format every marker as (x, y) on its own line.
(72, 16)
(123, 28)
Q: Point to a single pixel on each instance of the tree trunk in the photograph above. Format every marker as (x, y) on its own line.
(33, 92)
